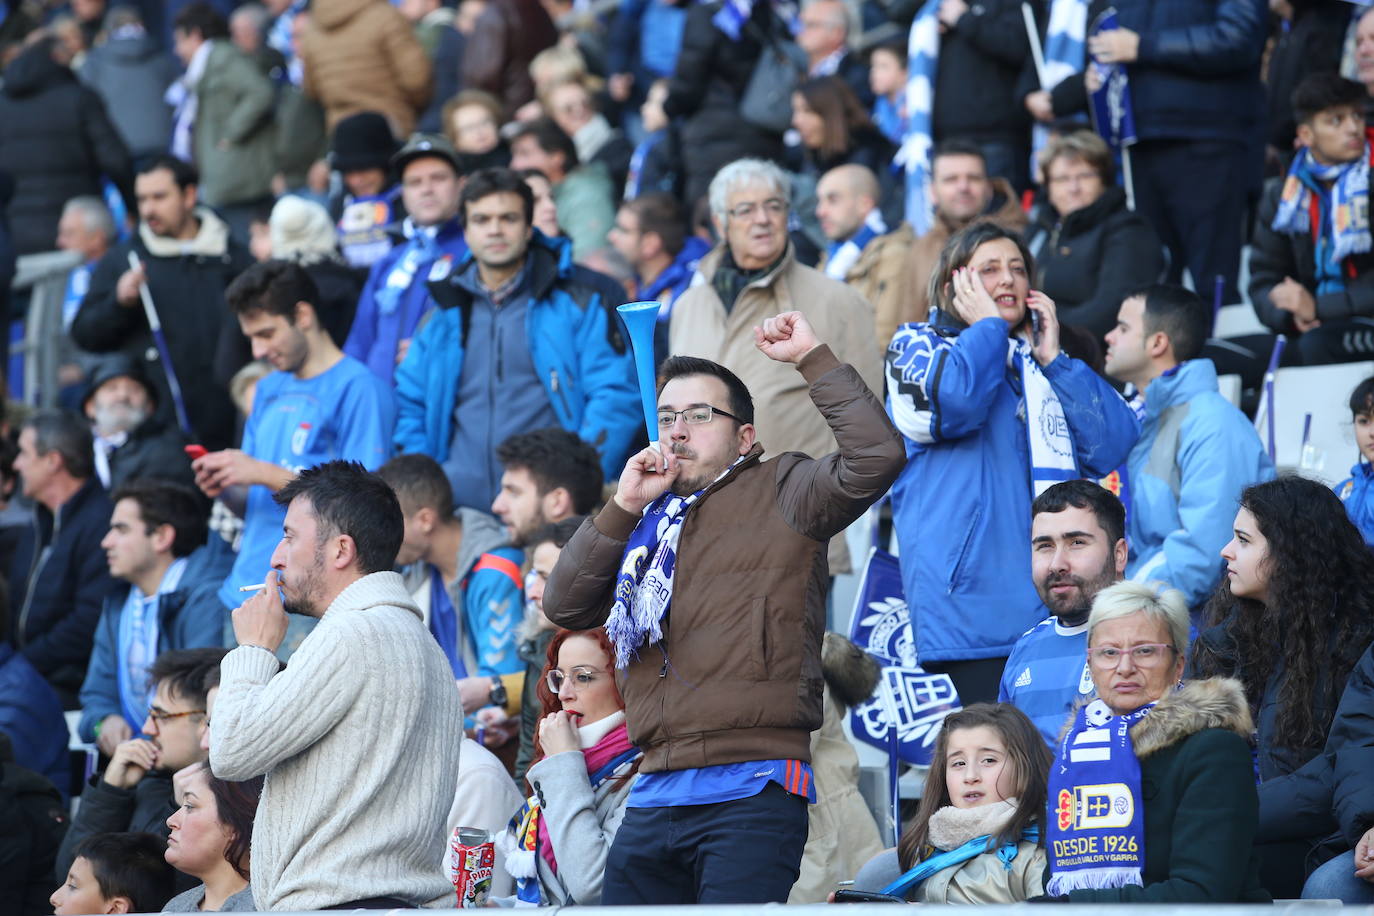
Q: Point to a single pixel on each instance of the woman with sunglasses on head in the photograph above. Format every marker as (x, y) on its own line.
(584, 769)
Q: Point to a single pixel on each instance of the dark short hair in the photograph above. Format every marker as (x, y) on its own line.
(486, 182)
(185, 670)
(61, 431)
(1321, 91)
(201, 17)
(349, 499)
(274, 287)
(165, 502)
(660, 213)
(555, 457)
(556, 533)
(551, 139)
(1084, 494)
(420, 483)
(237, 805)
(183, 172)
(1362, 398)
(741, 402)
(896, 48)
(1180, 314)
(130, 865)
(957, 146)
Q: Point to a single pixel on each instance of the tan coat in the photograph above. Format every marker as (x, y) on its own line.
(925, 253)
(362, 55)
(786, 419)
(881, 275)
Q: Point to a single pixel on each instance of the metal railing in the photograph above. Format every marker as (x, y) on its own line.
(44, 278)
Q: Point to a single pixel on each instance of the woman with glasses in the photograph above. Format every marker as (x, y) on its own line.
(209, 838)
(584, 767)
(1151, 798)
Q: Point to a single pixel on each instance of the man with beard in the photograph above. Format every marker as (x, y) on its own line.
(319, 405)
(357, 736)
(131, 442)
(547, 475)
(708, 570)
(1078, 548)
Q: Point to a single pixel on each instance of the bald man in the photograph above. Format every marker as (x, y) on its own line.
(862, 252)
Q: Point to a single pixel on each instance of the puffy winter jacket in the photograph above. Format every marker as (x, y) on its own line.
(131, 74)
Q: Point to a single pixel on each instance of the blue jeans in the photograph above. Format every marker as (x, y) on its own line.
(1336, 881)
(743, 851)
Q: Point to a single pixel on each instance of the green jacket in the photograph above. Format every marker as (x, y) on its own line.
(586, 208)
(1197, 783)
(234, 131)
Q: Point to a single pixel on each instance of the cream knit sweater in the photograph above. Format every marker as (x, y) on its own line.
(359, 739)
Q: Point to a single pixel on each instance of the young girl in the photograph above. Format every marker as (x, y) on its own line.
(1356, 490)
(977, 834)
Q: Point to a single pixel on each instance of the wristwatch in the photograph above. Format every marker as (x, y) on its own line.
(497, 697)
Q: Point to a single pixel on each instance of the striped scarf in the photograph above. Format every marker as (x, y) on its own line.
(841, 256)
(1065, 45)
(923, 59)
(1343, 211)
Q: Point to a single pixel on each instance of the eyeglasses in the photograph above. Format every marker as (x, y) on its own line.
(773, 206)
(1075, 178)
(580, 675)
(1146, 655)
(692, 416)
(161, 715)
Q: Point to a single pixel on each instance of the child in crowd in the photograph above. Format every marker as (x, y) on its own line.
(1356, 490)
(977, 835)
(887, 79)
(116, 873)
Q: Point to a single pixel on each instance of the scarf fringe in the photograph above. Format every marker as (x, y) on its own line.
(1091, 879)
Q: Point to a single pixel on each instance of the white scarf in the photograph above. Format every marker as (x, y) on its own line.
(1047, 430)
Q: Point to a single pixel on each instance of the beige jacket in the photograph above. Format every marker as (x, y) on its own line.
(925, 253)
(362, 55)
(786, 419)
(881, 276)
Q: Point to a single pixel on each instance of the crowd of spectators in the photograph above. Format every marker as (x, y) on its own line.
(349, 453)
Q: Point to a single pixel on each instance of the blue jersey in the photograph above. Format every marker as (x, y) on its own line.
(1046, 675)
(721, 783)
(344, 412)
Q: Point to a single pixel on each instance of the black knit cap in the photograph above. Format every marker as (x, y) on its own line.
(362, 141)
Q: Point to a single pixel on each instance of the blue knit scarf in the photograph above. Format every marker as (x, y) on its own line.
(1344, 209)
(1006, 854)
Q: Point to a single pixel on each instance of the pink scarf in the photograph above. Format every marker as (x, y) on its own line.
(613, 744)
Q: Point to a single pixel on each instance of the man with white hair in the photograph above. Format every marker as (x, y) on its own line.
(87, 228)
(752, 275)
(824, 36)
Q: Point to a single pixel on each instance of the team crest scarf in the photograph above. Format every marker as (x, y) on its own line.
(1343, 212)
(1051, 446)
(1096, 832)
(644, 585)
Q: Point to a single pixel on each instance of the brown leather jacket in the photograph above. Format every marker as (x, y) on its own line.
(504, 40)
(737, 676)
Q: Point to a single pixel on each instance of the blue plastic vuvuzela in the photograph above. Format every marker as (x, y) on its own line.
(639, 319)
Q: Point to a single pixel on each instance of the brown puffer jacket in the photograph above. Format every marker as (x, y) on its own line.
(362, 55)
(504, 40)
(737, 676)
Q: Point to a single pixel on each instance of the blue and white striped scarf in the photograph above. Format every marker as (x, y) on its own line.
(1065, 44)
(843, 255)
(923, 59)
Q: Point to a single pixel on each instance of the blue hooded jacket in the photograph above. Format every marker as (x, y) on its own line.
(1357, 492)
(582, 359)
(962, 506)
(1195, 455)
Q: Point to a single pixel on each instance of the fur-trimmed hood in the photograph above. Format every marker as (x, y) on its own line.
(851, 673)
(1217, 702)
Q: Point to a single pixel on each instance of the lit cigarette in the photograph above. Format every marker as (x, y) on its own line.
(253, 588)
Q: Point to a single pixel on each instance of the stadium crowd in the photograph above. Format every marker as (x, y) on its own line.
(347, 546)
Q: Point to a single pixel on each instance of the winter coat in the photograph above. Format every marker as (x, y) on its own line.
(961, 509)
(1276, 255)
(1311, 42)
(1004, 209)
(153, 449)
(131, 75)
(980, 62)
(585, 201)
(1332, 793)
(588, 378)
(362, 55)
(706, 89)
(35, 818)
(1198, 793)
(188, 618)
(784, 415)
(56, 141)
(1195, 455)
(981, 879)
(533, 652)
(505, 38)
(187, 282)
(1090, 260)
(1357, 494)
(880, 276)
(748, 609)
(234, 139)
(107, 809)
(31, 717)
(58, 579)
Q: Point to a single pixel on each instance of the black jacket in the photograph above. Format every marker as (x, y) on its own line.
(56, 140)
(975, 84)
(188, 291)
(1332, 795)
(1311, 44)
(1088, 261)
(35, 820)
(1275, 255)
(106, 809)
(58, 581)
(154, 449)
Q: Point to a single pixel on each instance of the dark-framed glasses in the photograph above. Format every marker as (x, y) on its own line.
(162, 715)
(692, 416)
